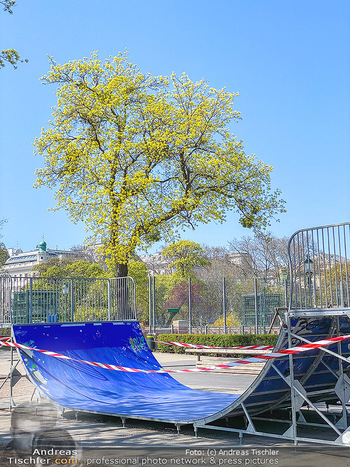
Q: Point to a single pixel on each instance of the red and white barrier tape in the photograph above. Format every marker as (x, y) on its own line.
(5, 338)
(197, 346)
(259, 358)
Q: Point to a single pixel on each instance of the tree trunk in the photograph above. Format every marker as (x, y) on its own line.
(121, 270)
(124, 311)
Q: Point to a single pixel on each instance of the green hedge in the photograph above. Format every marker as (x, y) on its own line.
(216, 340)
(5, 332)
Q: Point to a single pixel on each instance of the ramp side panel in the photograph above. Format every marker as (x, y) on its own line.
(83, 387)
(316, 370)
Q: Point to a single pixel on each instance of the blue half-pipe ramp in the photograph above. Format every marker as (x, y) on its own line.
(83, 387)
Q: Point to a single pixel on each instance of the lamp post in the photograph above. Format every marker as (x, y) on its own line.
(65, 291)
(224, 303)
(256, 306)
(264, 305)
(189, 306)
(150, 303)
(283, 281)
(309, 270)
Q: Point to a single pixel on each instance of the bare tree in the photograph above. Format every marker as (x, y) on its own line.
(263, 255)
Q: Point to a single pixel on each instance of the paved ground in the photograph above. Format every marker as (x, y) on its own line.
(145, 442)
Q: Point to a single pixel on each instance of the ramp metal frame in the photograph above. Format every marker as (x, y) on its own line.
(302, 409)
(13, 378)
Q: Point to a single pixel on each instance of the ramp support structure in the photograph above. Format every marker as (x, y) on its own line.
(300, 398)
(13, 377)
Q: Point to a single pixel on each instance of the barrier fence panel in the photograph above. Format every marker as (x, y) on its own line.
(5, 300)
(320, 268)
(37, 299)
(261, 307)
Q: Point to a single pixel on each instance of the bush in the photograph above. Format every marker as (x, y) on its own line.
(5, 332)
(215, 340)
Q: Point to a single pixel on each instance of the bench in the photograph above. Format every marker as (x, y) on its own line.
(251, 369)
(225, 352)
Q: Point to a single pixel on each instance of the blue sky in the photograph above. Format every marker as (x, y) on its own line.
(289, 61)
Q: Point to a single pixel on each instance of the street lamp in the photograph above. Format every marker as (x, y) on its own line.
(309, 270)
(309, 265)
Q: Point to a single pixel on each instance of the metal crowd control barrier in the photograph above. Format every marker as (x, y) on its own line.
(320, 268)
(26, 300)
(5, 300)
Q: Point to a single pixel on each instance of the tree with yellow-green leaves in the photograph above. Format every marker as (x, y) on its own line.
(138, 157)
(10, 56)
(3, 250)
(185, 255)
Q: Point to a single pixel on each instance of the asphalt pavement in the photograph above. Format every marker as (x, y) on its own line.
(108, 431)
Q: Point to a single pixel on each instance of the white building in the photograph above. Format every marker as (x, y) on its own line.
(20, 264)
(156, 264)
(240, 259)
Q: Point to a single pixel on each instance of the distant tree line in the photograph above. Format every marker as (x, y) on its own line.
(261, 257)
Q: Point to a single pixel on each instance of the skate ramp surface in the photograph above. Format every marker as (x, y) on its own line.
(83, 387)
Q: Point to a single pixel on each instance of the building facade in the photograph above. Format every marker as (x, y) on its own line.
(21, 263)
